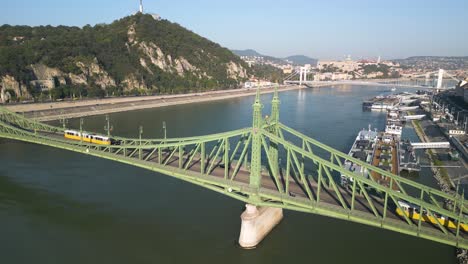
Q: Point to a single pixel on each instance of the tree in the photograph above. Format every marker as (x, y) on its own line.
(95, 92)
(57, 93)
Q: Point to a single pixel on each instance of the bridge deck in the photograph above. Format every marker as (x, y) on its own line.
(297, 189)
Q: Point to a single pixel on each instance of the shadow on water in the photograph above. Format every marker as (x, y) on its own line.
(58, 229)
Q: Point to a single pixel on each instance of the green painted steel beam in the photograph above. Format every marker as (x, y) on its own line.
(363, 179)
(366, 165)
(256, 152)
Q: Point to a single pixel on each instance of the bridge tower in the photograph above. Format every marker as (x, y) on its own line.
(440, 79)
(257, 222)
(256, 155)
(274, 119)
(302, 75)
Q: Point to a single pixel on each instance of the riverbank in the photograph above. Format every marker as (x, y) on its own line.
(440, 173)
(80, 108)
(443, 179)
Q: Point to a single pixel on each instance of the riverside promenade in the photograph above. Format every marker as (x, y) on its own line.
(79, 108)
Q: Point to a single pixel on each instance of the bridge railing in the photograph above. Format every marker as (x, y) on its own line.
(10, 117)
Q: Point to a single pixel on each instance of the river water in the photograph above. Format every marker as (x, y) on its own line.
(63, 207)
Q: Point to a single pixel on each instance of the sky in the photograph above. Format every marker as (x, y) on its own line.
(327, 29)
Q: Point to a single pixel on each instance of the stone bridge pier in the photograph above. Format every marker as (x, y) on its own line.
(256, 223)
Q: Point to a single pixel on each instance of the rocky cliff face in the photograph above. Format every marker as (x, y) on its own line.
(93, 71)
(152, 54)
(235, 71)
(11, 89)
(131, 82)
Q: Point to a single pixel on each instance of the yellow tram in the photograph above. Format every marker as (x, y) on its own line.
(86, 137)
(413, 212)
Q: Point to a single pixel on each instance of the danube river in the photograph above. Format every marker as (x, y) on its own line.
(63, 207)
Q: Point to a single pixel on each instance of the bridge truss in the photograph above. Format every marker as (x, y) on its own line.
(271, 164)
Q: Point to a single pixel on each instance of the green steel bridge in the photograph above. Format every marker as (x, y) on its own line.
(272, 165)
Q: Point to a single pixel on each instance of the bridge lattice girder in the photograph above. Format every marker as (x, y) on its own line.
(297, 173)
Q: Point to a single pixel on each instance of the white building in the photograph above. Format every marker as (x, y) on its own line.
(347, 65)
(255, 84)
(337, 76)
(332, 76)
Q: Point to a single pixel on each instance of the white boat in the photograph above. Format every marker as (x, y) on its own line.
(382, 106)
(407, 108)
(393, 114)
(414, 117)
(362, 149)
(393, 129)
(408, 101)
(393, 89)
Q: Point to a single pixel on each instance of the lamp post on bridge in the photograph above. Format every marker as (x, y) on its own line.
(108, 128)
(63, 121)
(140, 132)
(35, 122)
(81, 130)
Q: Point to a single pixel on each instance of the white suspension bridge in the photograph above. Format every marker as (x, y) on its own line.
(305, 76)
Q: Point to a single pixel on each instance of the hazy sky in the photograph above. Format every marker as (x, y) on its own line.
(322, 29)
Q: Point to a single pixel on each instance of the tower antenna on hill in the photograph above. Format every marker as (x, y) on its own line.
(141, 6)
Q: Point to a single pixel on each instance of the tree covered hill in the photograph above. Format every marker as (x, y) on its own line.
(298, 60)
(301, 60)
(434, 63)
(136, 54)
(247, 52)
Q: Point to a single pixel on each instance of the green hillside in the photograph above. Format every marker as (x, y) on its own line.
(136, 54)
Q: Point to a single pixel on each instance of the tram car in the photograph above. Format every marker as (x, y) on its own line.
(413, 212)
(89, 138)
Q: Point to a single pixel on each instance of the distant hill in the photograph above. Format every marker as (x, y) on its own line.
(435, 62)
(136, 54)
(247, 52)
(253, 53)
(301, 60)
(296, 59)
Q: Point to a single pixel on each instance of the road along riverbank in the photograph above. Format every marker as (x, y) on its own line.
(440, 174)
(80, 108)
